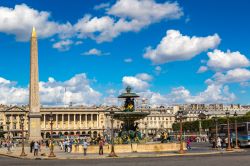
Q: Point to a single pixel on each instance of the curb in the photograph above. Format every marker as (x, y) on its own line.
(120, 157)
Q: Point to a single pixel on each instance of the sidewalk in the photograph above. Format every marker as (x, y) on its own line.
(62, 155)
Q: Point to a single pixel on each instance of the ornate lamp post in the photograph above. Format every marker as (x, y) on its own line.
(201, 116)
(112, 153)
(51, 136)
(179, 116)
(22, 125)
(216, 128)
(236, 130)
(146, 129)
(103, 128)
(228, 132)
(8, 136)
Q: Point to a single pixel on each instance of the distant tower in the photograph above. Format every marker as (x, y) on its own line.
(34, 100)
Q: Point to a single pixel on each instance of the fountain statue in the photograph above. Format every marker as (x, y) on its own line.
(129, 131)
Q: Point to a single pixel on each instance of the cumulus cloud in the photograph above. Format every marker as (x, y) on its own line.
(215, 93)
(63, 45)
(138, 82)
(145, 10)
(144, 76)
(11, 93)
(219, 60)
(19, 21)
(175, 47)
(202, 69)
(236, 75)
(102, 6)
(76, 90)
(123, 16)
(95, 51)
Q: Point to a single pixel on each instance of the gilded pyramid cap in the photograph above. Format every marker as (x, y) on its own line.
(33, 32)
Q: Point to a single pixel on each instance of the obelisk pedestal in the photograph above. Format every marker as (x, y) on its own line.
(34, 100)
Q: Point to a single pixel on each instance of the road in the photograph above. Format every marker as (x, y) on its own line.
(229, 159)
(232, 159)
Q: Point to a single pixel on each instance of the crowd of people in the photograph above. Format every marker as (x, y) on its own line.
(66, 144)
(220, 143)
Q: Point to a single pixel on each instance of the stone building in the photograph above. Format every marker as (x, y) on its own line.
(81, 120)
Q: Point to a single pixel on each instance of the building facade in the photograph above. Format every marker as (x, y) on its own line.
(81, 120)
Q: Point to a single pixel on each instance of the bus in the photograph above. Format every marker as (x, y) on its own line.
(243, 130)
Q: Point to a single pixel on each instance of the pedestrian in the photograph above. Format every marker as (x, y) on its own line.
(65, 146)
(31, 146)
(188, 144)
(85, 147)
(219, 143)
(36, 148)
(226, 142)
(101, 147)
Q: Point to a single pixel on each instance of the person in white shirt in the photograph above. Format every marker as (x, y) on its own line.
(219, 143)
(85, 147)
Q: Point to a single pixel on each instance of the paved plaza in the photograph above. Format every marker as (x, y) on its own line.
(223, 159)
(198, 149)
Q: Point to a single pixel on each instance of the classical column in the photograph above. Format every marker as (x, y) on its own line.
(34, 100)
(63, 121)
(86, 121)
(80, 120)
(68, 120)
(74, 121)
(97, 118)
(91, 121)
(44, 122)
(11, 122)
(56, 121)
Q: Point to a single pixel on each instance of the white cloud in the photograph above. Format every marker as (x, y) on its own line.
(124, 17)
(19, 21)
(128, 60)
(214, 93)
(236, 75)
(175, 47)
(145, 10)
(138, 82)
(219, 60)
(63, 45)
(11, 94)
(158, 68)
(202, 69)
(102, 6)
(94, 51)
(144, 76)
(76, 90)
(78, 42)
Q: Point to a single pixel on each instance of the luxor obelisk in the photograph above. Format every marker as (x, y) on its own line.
(34, 100)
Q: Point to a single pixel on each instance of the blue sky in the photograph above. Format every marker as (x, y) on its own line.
(107, 43)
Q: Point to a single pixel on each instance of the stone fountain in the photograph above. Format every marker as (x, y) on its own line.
(129, 131)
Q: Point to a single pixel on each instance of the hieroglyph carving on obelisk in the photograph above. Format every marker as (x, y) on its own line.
(34, 100)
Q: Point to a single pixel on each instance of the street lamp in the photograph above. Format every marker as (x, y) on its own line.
(201, 116)
(22, 125)
(236, 130)
(146, 129)
(51, 136)
(216, 129)
(228, 132)
(103, 128)
(180, 116)
(8, 136)
(112, 153)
